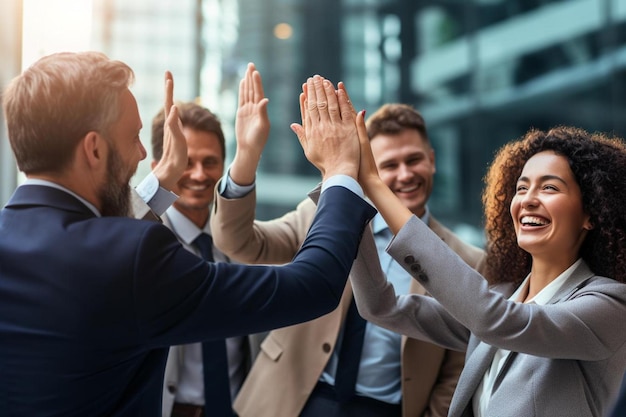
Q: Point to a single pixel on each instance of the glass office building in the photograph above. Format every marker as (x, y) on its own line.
(482, 72)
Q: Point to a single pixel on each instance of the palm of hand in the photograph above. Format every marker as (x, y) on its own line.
(252, 125)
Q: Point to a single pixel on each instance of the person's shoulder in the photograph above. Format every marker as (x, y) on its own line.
(468, 252)
(306, 207)
(127, 227)
(598, 282)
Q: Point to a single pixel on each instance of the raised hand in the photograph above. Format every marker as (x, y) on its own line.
(174, 160)
(252, 127)
(368, 172)
(390, 207)
(328, 133)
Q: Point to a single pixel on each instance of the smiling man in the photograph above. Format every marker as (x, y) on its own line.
(193, 381)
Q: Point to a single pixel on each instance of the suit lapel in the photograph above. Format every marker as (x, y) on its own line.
(578, 279)
(503, 370)
(482, 357)
(471, 376)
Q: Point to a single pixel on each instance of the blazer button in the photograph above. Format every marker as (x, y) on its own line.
(326, 347)
(422, 276)
(416, 268)
(409, 259)
(171, 389)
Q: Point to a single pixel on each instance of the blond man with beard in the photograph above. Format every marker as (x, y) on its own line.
(91, 302)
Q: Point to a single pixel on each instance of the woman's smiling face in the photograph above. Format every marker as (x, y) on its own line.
(547, 208)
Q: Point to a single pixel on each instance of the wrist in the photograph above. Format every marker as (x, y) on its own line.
(166, 176)
(372, 184)
(243, 168)
(348, 169)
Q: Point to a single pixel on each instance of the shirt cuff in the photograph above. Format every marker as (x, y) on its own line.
(156, 197)
(230, 189)
(343, 181)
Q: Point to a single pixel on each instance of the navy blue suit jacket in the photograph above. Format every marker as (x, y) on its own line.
(88, 305)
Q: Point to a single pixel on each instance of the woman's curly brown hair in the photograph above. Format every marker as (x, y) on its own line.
(599, 166)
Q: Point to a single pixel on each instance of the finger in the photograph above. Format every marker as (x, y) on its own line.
(242, 91)
(257, 82)
(303, 110)
(331, 98)
(172, 119)
(299, 131)
(361, 129)
(250, 83)
(342, 87)
(175, 124)
(245, 86)
(320, 101)
(311, 100)
(169, 92)
(367, 164)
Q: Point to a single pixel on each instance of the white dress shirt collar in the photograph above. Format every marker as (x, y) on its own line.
(35, 181)
(543, 297)
(185, 229)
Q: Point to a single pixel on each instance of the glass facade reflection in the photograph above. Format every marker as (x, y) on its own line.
(482, 72)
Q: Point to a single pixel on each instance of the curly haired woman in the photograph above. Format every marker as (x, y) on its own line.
(545, 333)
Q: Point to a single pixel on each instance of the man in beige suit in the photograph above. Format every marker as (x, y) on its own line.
(296, 372)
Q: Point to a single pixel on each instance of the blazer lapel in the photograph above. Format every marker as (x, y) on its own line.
(578, 279)
(473, 373)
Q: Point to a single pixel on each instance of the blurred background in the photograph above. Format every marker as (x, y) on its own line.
(482, 72)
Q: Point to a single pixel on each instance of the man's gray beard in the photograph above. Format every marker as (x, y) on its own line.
(115, 196)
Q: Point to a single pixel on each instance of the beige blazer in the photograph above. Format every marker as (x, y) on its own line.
(292, 358)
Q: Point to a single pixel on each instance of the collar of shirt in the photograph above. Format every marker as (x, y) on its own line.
(185, 229)
(546, 294)
(483, 392)
(34, 181)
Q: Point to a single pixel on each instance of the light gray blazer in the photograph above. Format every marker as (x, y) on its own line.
(567, 357)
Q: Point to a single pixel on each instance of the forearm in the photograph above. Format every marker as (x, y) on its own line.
(416, 316)
(244, 239)
(386, 202)
(245, 163)
(554, 330)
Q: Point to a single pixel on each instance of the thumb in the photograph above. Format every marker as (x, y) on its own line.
(299, 131)
(361, 129)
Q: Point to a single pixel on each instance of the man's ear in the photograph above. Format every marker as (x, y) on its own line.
(431, 156)
(93, 148)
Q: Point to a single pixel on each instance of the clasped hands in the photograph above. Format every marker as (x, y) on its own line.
(332, 134)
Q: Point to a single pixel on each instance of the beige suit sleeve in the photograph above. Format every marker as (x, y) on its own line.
(244, 239)
(448, 376)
